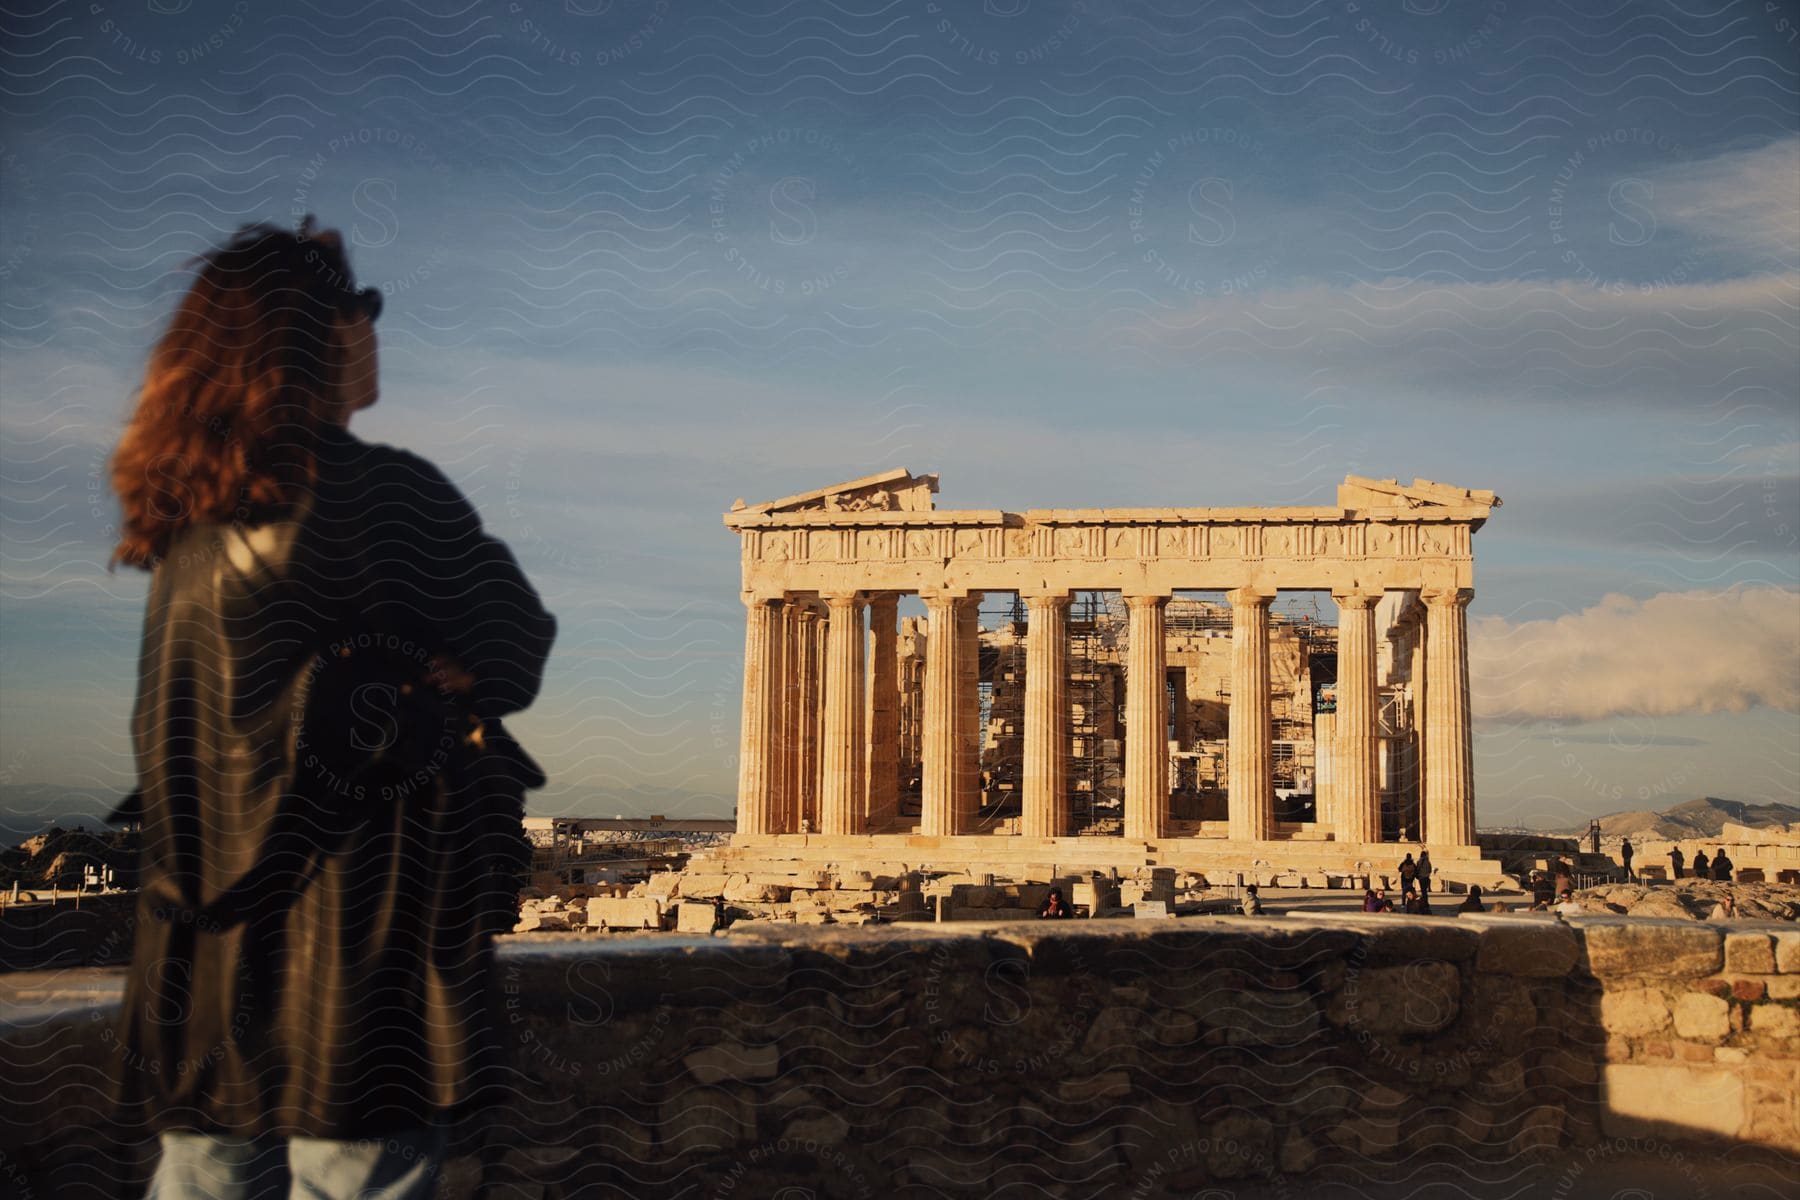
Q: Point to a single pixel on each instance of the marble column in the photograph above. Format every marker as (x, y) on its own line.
(1146, 720)
(839, 803)
(757, 750)
(1449, 807)
(788, 789)
(807, 785)
(938, 753)
(968, 712)
(884, 710)
(1046, 752)
(1356, 769)
(1252, 774)
(820, 638)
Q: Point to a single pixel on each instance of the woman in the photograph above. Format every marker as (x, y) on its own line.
(331, 810)
(1054, 905)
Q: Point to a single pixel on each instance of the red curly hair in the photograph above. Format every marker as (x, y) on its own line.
(236, 390)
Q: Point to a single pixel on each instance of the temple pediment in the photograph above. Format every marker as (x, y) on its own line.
(898, 490)
(1358, 492)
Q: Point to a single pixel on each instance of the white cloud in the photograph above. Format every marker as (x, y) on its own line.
(1745, 199)
(1561, 341)
(1674, 653)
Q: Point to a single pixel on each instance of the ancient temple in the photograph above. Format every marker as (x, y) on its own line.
(863, 736)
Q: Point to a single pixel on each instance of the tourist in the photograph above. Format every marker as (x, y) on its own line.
(1721, 866)
(1472, 903)
(1382, 903)
(1625, 853)
(1424, 869)
(1724, 910)
(1371, 902)
(1676, 858)
(1702, 868)
(1252, 906)
(1055, 906)
(1409, 871)
(1499, 906)
(1423, 907)
(1565, 882)
(310, 988)
(1566, 903)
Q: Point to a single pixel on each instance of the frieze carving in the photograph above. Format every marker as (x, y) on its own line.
(871, 520)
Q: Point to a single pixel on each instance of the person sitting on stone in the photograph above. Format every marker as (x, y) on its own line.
(1371, 902)
(1252, 906)
(1676, 857)
(1473, 902)
(1721, 866)
(1382, 903)
(1499, 906)
(1566, 904)
(1724, 910)
(1055, 906)
(1702, 868)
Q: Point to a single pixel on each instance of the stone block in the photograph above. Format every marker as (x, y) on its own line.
(1251, 1015)
(620, 912)
(1539, 1131)
(1787, 953)
(742, 890)
(1297, 1154)
(1240, 1144)
(703, 885)
(1772, 1020)
(692, 916)
(828, 1129)
(1750, 953)
(1475, 1123)
(1536, 950)
(1367, 1136)
(1631, 946)
(1420, 998)
(1115, 1033)
(1108, 1085)
(699, 1120)
(1670, 1101)
(1393, 938)
(1634, 1012)
(1784, 988)
(1702, 1017)
(732, 1061)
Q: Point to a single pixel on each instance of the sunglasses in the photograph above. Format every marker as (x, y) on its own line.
(365, 302)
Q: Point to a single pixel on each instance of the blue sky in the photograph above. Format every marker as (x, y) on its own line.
(643, 258)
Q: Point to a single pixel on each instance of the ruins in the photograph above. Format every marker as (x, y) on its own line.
(1106, 722)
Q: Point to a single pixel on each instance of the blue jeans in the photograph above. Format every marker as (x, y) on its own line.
(203, 1166)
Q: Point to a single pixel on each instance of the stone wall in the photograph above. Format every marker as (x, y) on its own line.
(1080, 1058)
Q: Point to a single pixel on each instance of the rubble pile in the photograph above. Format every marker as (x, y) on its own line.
(1693, 899)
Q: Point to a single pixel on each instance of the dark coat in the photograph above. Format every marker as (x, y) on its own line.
(312, 951)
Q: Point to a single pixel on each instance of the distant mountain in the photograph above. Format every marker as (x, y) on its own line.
(1701, 818)
(27, 809)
